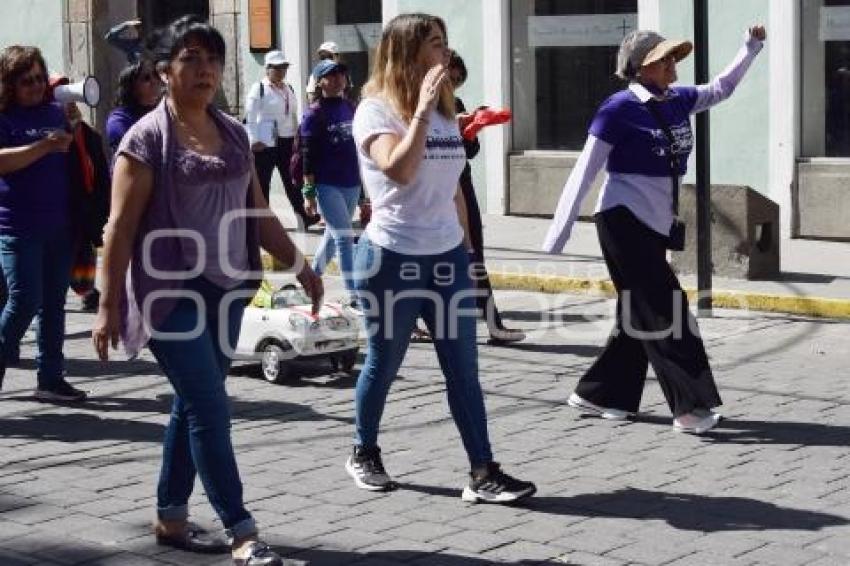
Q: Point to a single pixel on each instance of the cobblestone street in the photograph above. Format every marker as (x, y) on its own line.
(770, 486)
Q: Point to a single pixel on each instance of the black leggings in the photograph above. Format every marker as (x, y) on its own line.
(485, 302)
(279, 156)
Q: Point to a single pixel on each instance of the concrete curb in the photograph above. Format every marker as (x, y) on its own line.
(789, 304)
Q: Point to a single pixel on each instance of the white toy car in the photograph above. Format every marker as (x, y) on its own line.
(284, 329)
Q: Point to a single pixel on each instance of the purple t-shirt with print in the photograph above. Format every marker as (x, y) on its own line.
(640, 144)
(35, 199)
(335, 156)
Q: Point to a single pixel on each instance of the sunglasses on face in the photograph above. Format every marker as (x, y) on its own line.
(278, 67)
(30, 80)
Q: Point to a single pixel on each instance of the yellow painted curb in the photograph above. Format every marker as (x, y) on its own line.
(820, 307)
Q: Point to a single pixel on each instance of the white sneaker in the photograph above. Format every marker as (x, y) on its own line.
(696, 422)
(577, 402)
(501, 336)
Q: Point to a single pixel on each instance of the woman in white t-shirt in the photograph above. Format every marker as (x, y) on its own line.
(412, 259)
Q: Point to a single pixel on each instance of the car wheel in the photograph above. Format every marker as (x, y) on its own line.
(274, 370)
(347, 359)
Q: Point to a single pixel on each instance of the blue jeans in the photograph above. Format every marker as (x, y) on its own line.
(37, 271)
(395, 290)
(337, 207)
(197, 438)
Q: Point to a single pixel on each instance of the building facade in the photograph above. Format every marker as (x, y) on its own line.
(785, 133)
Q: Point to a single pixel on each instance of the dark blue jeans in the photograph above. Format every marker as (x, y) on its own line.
(197, 439)
(37, 271)
(395, 290)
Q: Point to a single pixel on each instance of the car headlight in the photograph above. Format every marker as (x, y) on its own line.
(337, 323)
(298, 322)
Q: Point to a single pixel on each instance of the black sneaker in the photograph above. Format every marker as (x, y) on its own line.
(61, 392)
(367, 469)
(497, 487)
(90, 301)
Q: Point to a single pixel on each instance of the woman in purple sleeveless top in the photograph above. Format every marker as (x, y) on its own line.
(188, 217)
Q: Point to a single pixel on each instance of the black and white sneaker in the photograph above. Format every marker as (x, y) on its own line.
(62, 392)
(366, 468)
(497, 487)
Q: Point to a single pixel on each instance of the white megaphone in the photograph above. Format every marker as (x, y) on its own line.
(86, 90)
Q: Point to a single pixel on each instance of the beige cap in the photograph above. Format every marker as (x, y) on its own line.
(679, 50)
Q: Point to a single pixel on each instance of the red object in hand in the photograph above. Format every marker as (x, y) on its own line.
(485, 117)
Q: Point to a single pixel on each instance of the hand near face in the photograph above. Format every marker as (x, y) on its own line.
(429, 91)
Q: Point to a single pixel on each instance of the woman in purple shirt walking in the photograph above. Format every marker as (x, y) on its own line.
(639, 134)
(188, 216)
(35, 218)
(331, 172)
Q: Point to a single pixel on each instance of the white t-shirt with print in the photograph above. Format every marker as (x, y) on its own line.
(419, 218)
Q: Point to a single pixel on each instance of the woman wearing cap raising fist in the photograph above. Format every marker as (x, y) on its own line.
(271, 119)
(642, 136)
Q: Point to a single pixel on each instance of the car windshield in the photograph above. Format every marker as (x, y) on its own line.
(289, 298)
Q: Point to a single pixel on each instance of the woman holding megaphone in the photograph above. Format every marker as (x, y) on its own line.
(35, 219)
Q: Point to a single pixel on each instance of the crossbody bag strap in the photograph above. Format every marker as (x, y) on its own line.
(652, 106)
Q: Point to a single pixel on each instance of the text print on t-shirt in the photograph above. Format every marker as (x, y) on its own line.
(683, 140)
(443, 144)
(32, 133)
(339, 132)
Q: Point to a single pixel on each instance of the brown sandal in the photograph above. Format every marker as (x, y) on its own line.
(193, 539)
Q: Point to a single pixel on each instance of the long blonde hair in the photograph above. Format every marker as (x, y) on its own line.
(397, 74)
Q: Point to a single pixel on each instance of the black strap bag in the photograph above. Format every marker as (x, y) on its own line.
(676, 239)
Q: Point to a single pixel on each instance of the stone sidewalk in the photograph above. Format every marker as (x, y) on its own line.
(770, 486)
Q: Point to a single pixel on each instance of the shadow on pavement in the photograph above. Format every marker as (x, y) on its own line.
(684, 511)
(580, 350)
(96, 368)
(310, 373)
(87, 422)
(293, 556)
(281, 411)
(322, 557)
(64, 549)
(738, 431)
(552, 317)
(80, 427)
(780, 432)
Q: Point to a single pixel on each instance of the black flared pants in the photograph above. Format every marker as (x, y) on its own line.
(654, 325)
